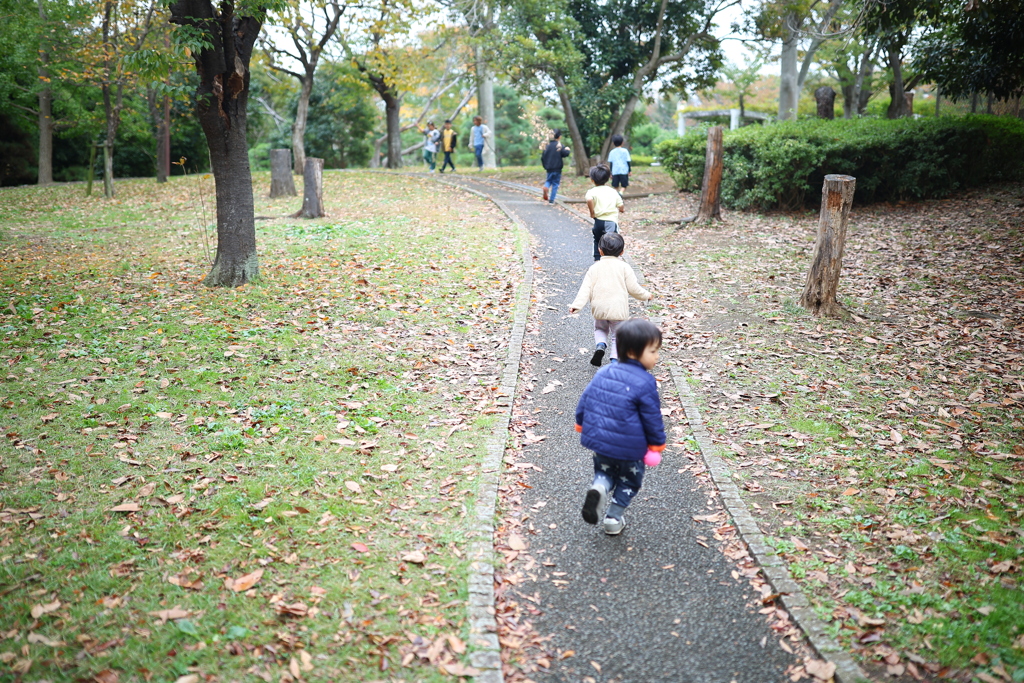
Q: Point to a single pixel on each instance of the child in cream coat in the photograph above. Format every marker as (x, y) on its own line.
(607, 287)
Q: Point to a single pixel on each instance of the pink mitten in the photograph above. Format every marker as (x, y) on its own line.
(652, 458)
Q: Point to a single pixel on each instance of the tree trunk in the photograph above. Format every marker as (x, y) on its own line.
(163, 142)
(45, 175)
(108, 169)
(826, 99)
(281, 182)
(236, 262)
(711, 189)
(221, 99)
(299, 129)
(938, 100)
(897, 103)
(788, 94)
(485, 97)
(579, 151)
(392, 109)
(92, 170)
(819, 295)
(313, 189)
(621, 122)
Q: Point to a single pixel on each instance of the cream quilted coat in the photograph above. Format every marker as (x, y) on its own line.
(607, 288)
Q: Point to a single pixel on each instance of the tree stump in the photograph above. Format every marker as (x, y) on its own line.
(711, 189)
(281, 183)
(825, 96)
(819, 295)
(313, 190)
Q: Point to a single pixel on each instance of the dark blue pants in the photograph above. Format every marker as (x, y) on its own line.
(479, 151)
(553, 181)
(622, 478)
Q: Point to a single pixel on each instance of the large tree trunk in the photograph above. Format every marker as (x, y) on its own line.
(711, 190)
(788, 75)
(621, 122)
(313, 189)
(299, 129)
(108, 104)
(819, 295)
(45, 176)
(897, 103)
(281, 182)
(485, 97)
(163, 142)
(579, 151)
(159, 111)
(222, 96)
(392, 110)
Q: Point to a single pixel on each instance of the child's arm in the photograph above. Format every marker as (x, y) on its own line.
(590, 205)
(621, 204)
(583, 296)
(649, 405)
(634, 288)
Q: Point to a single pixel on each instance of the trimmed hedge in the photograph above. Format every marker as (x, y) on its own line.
(783, 165)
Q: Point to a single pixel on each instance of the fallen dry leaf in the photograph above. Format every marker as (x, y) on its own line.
(40, 610)
(823, 671)
(516, 543)
(243, 583)
(416, 557)
(126, 507)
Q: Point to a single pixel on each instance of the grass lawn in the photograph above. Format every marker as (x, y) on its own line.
(884, 456)
(263, 483)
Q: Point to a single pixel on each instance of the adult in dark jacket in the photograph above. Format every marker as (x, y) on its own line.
(619, 417)
(551, 159)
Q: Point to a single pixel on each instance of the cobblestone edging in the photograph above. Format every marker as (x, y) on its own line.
(774, 568)
(485, 654)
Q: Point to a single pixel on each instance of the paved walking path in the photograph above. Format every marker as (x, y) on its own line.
(648, 605)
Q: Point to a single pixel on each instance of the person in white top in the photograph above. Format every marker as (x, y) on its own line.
(605, 205)
(430, 137)
(621, 163)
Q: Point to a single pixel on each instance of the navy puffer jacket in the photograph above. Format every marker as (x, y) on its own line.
(619, 413)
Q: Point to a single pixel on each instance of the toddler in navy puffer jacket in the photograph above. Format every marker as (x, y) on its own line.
(619, 417)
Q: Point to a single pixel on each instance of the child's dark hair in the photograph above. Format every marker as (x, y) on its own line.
(556, 133)
(611, 244)
(634, 336)
(600, 174)
(617, 140)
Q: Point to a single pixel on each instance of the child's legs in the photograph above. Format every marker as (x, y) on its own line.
(601, 331)
(612, 327)
(604, 474)
(479, 151)
(598, 231)
(627, 476)
(554, 180)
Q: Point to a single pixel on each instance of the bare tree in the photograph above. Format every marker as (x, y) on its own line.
(308, 46)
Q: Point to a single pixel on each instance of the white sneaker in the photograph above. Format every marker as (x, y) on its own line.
(614, 527)
(594, 503)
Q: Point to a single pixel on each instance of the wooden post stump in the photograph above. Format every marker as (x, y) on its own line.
(313, 190)
(281, 183)
(825, 96)
(819, 295)
(711, 189)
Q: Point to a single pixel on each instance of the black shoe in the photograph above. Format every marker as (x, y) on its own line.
(593, 504)
(595, 360)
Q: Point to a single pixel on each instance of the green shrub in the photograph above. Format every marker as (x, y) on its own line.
(783, 165)
(641, 160)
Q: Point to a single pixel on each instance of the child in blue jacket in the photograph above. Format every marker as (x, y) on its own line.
(619, 417)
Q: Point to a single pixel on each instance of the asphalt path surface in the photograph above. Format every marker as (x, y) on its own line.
(650, 604)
